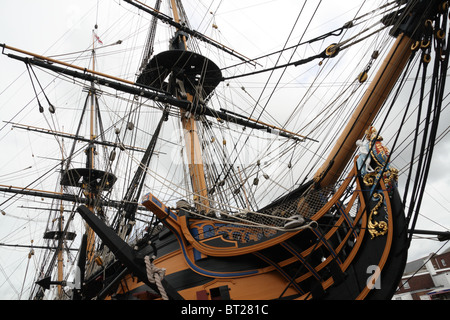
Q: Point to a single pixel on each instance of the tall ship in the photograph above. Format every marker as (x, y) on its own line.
(195, 170)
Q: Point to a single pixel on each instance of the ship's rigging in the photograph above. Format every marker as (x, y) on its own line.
(246, 175)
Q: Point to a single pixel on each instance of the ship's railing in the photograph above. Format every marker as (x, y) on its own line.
(310, 206)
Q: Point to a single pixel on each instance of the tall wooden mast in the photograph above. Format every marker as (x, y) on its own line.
(90, 156)
(192, 142)
(61, 228)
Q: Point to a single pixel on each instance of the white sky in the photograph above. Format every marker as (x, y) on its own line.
(50, 27)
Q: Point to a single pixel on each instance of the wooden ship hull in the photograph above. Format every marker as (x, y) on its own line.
(360, 254)
(333, 238)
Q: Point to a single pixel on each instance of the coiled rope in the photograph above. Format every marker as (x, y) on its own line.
(155, 275)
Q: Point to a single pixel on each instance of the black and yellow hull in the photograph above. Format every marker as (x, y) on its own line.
(355, 248)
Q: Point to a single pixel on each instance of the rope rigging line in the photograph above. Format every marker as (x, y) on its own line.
(401, 83)
(184, 28)
(325, 54)
(415, 157)
(351, 43)
(329, 52)
(246, 223)
(267, 81)
(429, 122)
(420, 268)
(296, 63)
(325, 110)
(336, 32)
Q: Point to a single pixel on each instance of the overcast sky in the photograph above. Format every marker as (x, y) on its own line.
(50, 27)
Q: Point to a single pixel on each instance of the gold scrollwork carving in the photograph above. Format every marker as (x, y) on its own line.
(369, 178)
(377, 228)
(390, 176)
(379, 155)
